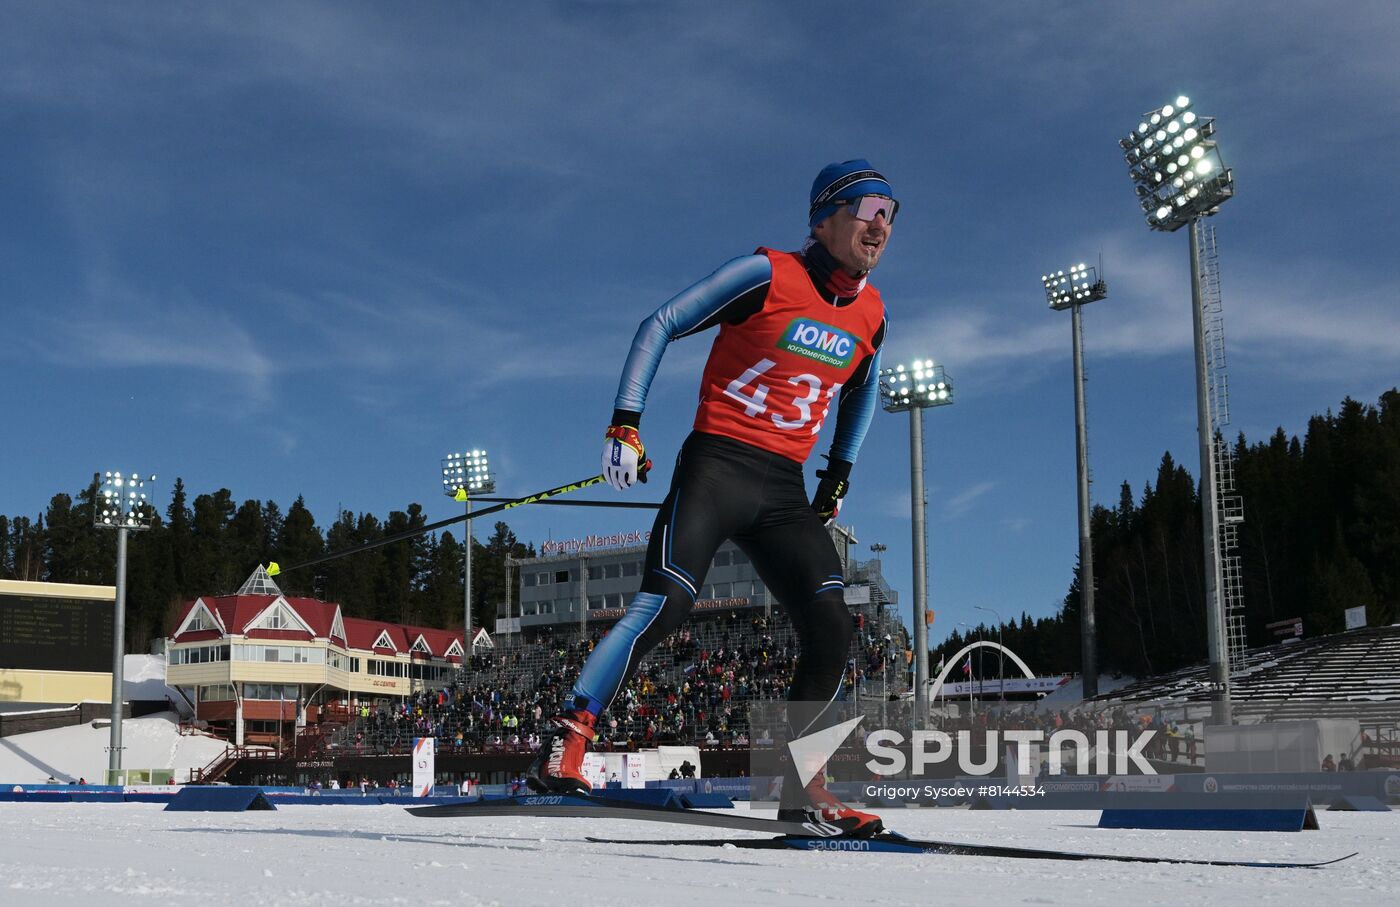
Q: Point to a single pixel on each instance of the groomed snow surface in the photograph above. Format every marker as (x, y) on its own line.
(97, 854)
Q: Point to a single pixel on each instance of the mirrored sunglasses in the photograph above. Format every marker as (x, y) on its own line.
(865, 207)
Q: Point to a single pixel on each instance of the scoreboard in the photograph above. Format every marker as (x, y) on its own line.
(55, 633)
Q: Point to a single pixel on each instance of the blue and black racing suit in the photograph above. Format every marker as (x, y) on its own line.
(729, 483)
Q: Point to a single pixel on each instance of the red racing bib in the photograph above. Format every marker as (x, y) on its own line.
(770, 380)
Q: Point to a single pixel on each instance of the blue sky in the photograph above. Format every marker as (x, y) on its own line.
(310, 248)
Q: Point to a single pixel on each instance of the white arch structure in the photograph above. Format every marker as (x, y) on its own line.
(956, 660)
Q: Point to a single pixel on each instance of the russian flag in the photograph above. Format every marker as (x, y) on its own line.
(967, 666)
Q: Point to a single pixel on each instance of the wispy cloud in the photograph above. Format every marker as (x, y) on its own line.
(961, 503)
(895, 506)
(116, 328)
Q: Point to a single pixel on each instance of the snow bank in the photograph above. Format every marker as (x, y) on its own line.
(69, 753)
(143, 678)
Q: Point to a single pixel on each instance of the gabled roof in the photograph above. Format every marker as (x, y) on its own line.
(197, 612)
(236, 612)
(279, 610)
(440, 643)
(232, 611)
(362, 634)
(320, 616)
(237, 615)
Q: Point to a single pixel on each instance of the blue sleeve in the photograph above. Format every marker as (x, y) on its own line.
(856, 407)
(693, 309)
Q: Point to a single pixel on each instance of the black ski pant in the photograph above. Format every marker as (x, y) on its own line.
(725, 489)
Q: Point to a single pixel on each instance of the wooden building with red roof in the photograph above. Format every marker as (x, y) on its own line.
(259, 664)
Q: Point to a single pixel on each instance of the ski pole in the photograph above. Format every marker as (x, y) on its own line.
(626, 505)
(275, 569)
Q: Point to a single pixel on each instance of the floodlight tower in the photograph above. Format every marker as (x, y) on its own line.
(463, 475)
(123, 507)
(1081, 286)
(916, 388)
(879, 549)
(1180, 178)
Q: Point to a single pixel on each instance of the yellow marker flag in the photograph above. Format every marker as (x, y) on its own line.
(461, 495)
(273, 569)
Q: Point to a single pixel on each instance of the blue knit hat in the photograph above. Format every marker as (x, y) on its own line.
(848, 179)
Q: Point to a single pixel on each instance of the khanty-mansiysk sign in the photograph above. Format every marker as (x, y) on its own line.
(592, 542)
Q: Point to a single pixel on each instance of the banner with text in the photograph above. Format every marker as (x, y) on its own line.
(424, 765)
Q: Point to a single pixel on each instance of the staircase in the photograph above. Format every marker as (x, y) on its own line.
(223, 763)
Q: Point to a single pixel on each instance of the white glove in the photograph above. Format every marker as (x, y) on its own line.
(624, 457)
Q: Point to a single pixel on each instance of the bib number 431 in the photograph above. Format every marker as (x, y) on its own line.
(755, 402)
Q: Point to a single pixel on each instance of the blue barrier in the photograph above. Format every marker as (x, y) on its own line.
(734, 788)
(11, 796)
(217, 799)
(647, 796)
(97, 796)
(650, 796)
(1358, 803)
(335, 798)
(1211, 819)
(147, 798)
(1322, 787)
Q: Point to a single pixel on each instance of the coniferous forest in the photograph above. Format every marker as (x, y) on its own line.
(1321, 535)
(210, 546)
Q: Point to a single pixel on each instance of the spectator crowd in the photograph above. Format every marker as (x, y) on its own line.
(692, 689)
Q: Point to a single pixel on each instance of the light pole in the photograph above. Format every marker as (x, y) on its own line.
(463, 475)
(878, 549)
(124, 507)
(1079, 287)
(1001, 655)
(972, 703)
(923, 384)
(1179, 178)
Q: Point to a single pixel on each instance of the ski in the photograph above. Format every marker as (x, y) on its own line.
(789, 835)
(580, 806)
(891, 842)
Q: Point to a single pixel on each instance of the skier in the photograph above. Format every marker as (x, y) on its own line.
(797, 330)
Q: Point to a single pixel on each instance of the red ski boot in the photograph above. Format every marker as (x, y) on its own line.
(827, 811)
(558, 766)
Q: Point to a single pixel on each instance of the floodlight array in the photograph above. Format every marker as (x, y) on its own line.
(1077, 286)
(470, 470)
(122, 502)
(1176, 168)
(921, 384)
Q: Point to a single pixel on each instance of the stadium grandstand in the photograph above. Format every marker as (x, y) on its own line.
(1350, 670)
(1349, 676)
